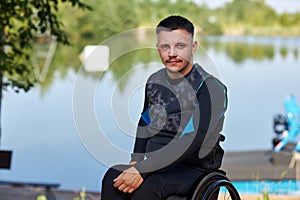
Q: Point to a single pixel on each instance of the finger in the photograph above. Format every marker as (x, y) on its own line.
(118, 177)
(122, 187)
(135, 186)
(118, 181)
(131, 190)
(125, 190)
(127, 185)
(117, 184)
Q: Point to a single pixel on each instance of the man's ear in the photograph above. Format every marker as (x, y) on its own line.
(157, 48)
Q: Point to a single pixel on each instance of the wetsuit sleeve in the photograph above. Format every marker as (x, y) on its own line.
(186, 148)
(141, 136)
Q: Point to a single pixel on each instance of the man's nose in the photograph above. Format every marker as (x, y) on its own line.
(172, 51)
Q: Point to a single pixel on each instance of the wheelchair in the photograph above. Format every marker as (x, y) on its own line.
(212, 186)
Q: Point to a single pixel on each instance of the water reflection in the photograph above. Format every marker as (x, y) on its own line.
(240, 49)
(141, 46)
(126, 62)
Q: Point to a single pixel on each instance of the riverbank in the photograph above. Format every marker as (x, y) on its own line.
(263, 31)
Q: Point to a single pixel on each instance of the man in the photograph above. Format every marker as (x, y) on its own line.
(177, 138)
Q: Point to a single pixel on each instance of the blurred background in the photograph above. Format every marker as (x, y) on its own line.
(252, 46)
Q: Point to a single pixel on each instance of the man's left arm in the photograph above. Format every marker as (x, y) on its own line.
(211, 98)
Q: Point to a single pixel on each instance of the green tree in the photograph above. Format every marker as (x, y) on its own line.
(20, 22)
(286, 19)
(249, 12)
(107, 19)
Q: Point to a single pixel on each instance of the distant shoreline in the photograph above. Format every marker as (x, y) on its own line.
(258, 31)
(261, 31)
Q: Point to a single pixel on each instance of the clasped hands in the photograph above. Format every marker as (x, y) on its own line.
(129, 180)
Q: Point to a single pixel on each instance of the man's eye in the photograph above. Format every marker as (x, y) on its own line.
(180, 45)
(165, 47)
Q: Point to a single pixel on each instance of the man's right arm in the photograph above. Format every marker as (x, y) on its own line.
(140, 143)
(141, 136)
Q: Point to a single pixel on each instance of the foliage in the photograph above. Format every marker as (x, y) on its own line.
(107, 19)
(82, 194)
(248, 12)
(286, 20)
(266, 194)
(41, 197)
(20, 22)
(23, 20)
(211, 26)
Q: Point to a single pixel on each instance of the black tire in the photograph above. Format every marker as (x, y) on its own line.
(209, 187)
(214, 191)
(206, 182)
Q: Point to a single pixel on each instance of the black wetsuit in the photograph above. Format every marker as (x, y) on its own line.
(178, 135)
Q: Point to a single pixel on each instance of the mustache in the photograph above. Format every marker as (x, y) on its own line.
(173, 60)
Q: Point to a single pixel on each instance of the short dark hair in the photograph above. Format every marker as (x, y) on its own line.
(174, 22)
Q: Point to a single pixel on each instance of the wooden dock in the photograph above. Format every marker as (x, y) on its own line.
(257, 165)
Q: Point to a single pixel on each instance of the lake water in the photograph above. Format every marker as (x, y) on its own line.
(283, 187)
(83, 122)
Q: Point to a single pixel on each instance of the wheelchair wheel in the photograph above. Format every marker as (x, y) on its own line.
(221, 189)
(215, 186)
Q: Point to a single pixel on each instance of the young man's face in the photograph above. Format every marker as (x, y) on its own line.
(176, 50)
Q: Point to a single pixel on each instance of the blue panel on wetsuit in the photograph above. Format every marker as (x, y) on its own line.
(146, 116)
(189, 127)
